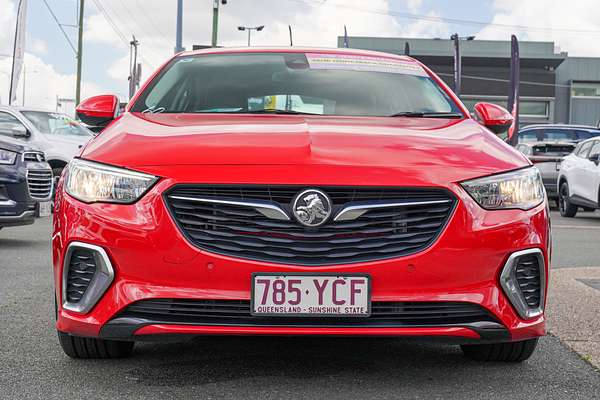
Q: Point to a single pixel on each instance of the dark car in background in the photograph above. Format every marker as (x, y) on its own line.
(557, 133)
(547, 157)
(25, 184)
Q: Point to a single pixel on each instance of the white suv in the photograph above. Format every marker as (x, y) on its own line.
(579, 179)
(58, 136)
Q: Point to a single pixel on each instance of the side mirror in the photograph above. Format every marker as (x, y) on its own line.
(595, 158)
(497, 119)
(15, 130)
(19, 131)
(98, 111)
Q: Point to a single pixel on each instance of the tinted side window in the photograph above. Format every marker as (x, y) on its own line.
(595, 149)
(553, 134)
(583, 135)
(7, 123)
(529, 136)
(585, 149)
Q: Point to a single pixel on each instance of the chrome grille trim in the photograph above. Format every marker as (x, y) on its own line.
(39, 182)
(353, 212)
(267, 209)
(34, 156)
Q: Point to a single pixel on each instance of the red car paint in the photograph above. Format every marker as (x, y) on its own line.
(153, 259)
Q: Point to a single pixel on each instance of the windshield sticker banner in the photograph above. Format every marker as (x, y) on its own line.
(364, 63)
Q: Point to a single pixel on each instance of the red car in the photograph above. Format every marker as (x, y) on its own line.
(299, 192)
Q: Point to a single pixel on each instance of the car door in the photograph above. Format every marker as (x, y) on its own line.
(573, 168)
(591, 174)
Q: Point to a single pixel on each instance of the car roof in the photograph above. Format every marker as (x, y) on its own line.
(563, 126)
(288, 49)
(20, 108)
(543, 143)
(592, 139)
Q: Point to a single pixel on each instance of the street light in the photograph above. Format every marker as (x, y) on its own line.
(250, 29)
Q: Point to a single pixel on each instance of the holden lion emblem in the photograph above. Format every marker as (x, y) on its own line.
(312, 207)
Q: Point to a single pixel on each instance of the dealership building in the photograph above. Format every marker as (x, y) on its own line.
(555, 88)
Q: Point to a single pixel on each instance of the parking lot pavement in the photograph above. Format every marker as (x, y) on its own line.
(33, 365)
(576, 240)
(574, 296)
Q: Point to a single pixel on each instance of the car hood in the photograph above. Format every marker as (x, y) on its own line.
(449, 149)
(74, 140)
(15, 145)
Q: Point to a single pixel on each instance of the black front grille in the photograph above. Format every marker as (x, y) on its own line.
(39, 182)
(237, 312)
(34, 156)
(245, 233)
(527, 273)
(82, 267)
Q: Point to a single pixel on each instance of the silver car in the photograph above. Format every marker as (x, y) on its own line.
(547, 157)
(57, 135)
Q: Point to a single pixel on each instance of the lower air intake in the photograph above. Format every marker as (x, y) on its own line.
(237, 313)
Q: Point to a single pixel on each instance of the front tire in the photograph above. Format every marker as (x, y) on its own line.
(566, 209)
(87, 348)
(503, 352)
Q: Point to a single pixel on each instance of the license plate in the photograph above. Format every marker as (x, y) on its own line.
(44, 208)
(346, 295)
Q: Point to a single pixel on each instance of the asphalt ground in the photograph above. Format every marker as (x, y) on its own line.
(32, 364)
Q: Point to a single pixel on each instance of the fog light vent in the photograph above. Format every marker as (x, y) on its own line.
(523, 279)
(87, 273)
(82, 267)
(527, 272)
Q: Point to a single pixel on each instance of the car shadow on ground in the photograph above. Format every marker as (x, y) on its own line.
(222, 359)
(588, 216)
(7, 242)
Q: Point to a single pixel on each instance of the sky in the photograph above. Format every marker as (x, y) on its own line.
(50, 62)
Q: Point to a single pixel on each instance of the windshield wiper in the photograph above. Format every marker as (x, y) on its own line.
(416, 114)
(276, 111)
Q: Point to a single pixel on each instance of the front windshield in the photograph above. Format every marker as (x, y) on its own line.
(56, 124)
(311, 83)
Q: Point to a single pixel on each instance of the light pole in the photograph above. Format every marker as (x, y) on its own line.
(179, 28)
(250, 29)
(79, 52)
(215, 26)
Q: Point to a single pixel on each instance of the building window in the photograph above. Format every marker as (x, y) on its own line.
(585, 89)
(527, 108)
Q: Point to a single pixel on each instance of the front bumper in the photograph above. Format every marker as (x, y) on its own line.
(152, 260)
(551, 187)
(17, 207)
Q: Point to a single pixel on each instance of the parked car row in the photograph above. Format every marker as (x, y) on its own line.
(557, 133)
(547, 157)
(35, 146)
(547, 146)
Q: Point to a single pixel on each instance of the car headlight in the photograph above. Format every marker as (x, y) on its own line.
(92, 182)
(7, 157)
(522, 189)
